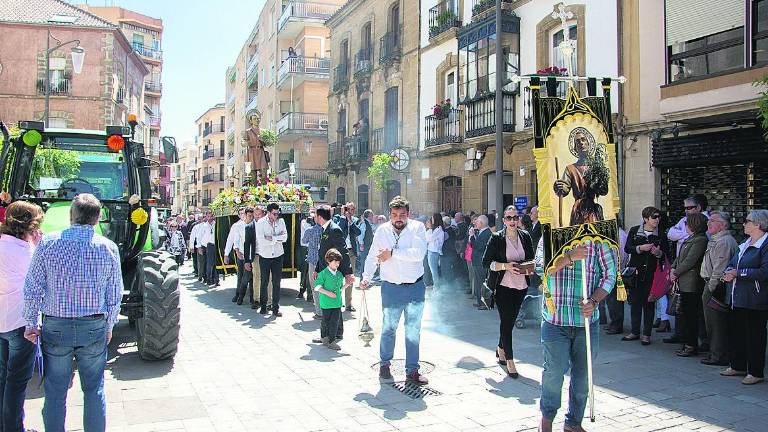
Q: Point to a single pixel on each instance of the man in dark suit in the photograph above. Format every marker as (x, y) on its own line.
(462, 237)
(348, 223)
(478, 238)
(332, 237)
(536, 229)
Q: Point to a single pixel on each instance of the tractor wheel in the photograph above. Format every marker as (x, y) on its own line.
(157, 332)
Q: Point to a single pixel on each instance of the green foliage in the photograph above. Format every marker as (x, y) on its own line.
(762, 103)
(268, 138)
(445, 17)
(598, 176)
(380, 171)
(54, 163)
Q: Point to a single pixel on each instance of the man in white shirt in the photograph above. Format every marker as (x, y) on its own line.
(306, 223)
(399, 247)
(235, 240)
(193, 247)
(270, 235)
(207, 242)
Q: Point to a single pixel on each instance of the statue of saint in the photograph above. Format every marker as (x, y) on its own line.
(257, 156)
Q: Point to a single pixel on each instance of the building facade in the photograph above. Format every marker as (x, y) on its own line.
(108, 89)
(373, 104)
(209, 175)
(282, 72)
(689, 106)
(145, 35)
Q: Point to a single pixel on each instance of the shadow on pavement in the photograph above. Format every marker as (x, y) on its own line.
(395, 405)
(319, 353)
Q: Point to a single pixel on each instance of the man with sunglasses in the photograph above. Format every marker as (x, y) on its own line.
(270, 235)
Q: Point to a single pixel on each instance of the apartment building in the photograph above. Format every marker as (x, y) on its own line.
(210, 170)
(283, 72)
(145, 35)
(689, 105)
(373, 104)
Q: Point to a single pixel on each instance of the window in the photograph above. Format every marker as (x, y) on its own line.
(57, 122)
(221, 123)
(341, 195)
(556, 56)
(760, 32)
(391, 119)
(138, 39)
(450, 86)
(481, 67)
(341, 127)
(707, 55)
(221, 148)
(362, 197)
(58, 74)
(221, 172)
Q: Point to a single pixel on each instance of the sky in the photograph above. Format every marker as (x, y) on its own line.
(201, 38)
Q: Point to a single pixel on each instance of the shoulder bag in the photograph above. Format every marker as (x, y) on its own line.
(673, 306)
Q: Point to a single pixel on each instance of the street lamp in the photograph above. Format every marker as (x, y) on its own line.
(292, 172)
(78, 57)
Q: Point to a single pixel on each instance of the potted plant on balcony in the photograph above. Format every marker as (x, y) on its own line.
(482, 5)
(552, 71)
(445, 20)
(442, 110)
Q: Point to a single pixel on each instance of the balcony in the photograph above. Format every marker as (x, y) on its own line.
(250, 71)
(208, 178)
(443, 17)
(340, 78)
(209, 154)
(253, 97)
(120, 97)
(301, 123)
(311, 177)
(363, 63)
(154, 121)
(147, 52)
(390, 47)
(443, 129)
(153, 86)
(231, 99)
(559, 90)
(297, 15)
(207, 202)
(480, 6)
(57, 86)
(480, 115)
(302, 68)
(213, 129)
(337, 157)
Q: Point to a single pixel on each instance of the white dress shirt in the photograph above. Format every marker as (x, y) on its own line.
(304, 227)
(205, 235)
(408, 250)
(194, 236)
(236, 238)
(277, 231)
(435, 239)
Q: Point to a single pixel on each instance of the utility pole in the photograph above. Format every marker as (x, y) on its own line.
(500, 75)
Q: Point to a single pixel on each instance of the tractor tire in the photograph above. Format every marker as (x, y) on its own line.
(157, 332)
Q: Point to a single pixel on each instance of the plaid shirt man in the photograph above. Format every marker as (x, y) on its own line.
(74, 273)
(312, 238)
(565, 285)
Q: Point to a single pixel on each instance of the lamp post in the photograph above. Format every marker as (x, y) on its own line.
(78, 57)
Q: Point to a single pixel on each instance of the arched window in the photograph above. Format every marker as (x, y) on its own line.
(362, 197)
(393, 190)
(341, 195)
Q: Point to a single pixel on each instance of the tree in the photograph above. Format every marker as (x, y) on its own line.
(762, 104)
(380, 171)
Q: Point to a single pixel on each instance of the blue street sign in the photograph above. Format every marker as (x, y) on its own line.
(521, 202)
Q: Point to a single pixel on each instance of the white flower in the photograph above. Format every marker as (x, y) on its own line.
(238, 200)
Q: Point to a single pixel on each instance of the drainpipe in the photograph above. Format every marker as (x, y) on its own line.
(621, 159)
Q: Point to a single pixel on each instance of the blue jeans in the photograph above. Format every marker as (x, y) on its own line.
(433, 259)
(83, 339)
(565, 348)
(396, 300)
(361, 257)
(17, 361)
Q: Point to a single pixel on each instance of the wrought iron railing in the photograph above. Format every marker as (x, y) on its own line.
(304, 65)
(147, 52)
(57, 86)
(340, 77)
(209, 178)
(337, 156)
(207, 202)
(305, 176)
(302, 121)
(444, 128)
(480, 6)
(389, 46)
(212, 129)
(364, 62)
(480, 115)
(443, 16)
(153, 86)
(303, 10)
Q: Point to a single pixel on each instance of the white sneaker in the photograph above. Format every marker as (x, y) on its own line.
(749, 380)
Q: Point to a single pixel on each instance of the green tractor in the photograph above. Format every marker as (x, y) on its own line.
(51, 166)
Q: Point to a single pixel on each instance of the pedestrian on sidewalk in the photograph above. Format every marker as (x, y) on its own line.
(19, 234)
(270, 235)
(435, 239)
(312, 238)
(509, 285)
(75, 281)
(720, 249)
(332, 237)
(301, 259)
(246, 252)
(328, 286)
(563, 334)
(208, 240)
(198, 252)
(235, 241)
(399, 247)
(348, 223)
(748, 297)
(478, 238)
(174, 243)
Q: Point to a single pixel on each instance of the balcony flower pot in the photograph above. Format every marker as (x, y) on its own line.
(551, 84)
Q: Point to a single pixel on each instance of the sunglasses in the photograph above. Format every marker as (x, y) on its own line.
(690, 207)
(655, 216)
(510, 218)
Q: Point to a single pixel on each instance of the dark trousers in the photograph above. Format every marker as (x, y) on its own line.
(180, 259)
(17, 361)
(273, 266)
(616, 312)
(301, 258)
(481, 273)
(691, 305)
(746, 328)
(200, 258)
(642, 311)
(211, 274)
(329, 327)
(194, 260)
(508, 301)
(717, 329)
(244, 280)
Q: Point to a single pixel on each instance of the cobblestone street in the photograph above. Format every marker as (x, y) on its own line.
(239, 371)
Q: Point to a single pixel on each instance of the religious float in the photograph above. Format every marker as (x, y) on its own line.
(294, 202)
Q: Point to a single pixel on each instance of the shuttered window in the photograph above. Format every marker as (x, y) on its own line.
(693, 19)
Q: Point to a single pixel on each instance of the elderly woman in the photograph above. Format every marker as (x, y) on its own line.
(18, 235)
(686, 272)
(748, 297)
(508, 282)
(647, 247)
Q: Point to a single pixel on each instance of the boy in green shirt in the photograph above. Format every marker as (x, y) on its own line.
(328, 284)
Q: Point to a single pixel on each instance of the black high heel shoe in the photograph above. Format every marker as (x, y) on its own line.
(512, 371)
(499, 357)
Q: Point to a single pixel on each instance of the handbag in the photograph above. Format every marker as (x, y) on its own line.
(674, 307)
(628, 275)
(717, 300)
(661, 284)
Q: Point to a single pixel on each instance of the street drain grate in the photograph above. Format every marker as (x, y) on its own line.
(397, 367)
(414, 391)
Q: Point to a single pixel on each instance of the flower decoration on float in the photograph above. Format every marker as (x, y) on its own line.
(139, 216)
(32, 138)
(115, 143)
(271, 191)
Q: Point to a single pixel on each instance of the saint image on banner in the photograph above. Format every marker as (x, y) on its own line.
(586, 179)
